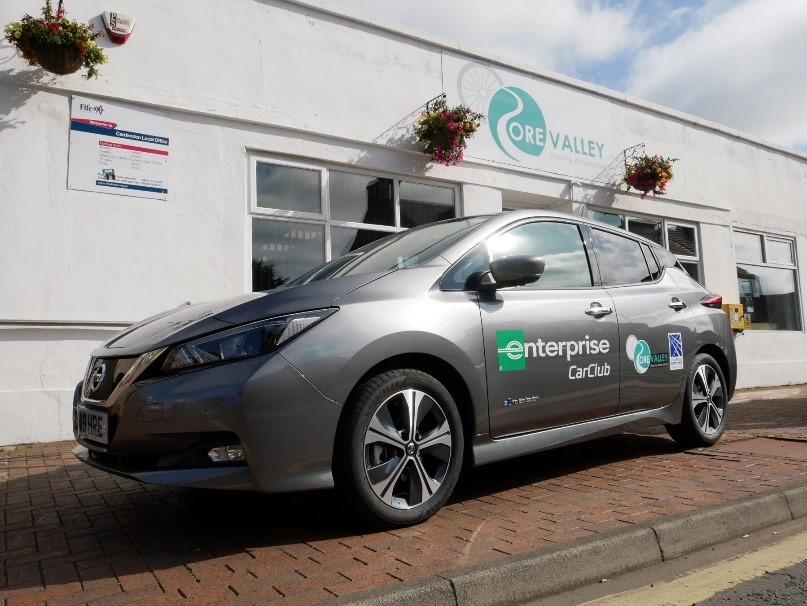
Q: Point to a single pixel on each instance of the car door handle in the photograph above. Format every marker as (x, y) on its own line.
(677, 304)
(598, 311)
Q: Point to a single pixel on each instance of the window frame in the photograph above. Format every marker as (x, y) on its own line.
(324, 218)
(794, 267)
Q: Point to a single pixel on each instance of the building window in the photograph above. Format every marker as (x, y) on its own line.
(680, 239)
(767, 280)
(305, 215)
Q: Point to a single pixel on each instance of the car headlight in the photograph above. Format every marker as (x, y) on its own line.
(242, 342)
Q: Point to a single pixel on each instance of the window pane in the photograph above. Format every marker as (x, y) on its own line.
(288, 188)
(361, 199)
(621, 260)
(779, 251)
(769, 297)
(609, 218)
(560, 245)
(748, 247)
(692, 270)
(421, 204)
(665, 257)
(655, 270)
(345, 240)
(682, 240)
(647, 228)
(282, 250)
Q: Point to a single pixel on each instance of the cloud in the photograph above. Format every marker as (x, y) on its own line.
(552, 34)
(740, 66)
(735, 62)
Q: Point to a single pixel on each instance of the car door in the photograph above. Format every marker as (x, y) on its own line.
(655, 322)
(551, 347)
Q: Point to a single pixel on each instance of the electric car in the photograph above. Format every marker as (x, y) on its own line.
(382, 372)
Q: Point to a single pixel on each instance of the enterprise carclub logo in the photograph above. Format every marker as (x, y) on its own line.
(511, 350)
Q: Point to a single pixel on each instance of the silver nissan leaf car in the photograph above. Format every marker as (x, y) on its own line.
(383, 371)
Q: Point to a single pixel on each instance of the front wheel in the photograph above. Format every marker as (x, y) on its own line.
(703, 418)
(399, 451)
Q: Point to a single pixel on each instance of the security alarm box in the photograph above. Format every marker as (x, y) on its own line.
(737, 318)
(118, 26)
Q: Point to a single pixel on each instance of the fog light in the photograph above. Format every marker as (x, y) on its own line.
(226, 454)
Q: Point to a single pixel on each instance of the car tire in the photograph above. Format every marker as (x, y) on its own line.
(389, 473)
(703, 418)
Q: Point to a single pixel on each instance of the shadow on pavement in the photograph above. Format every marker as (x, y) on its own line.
(67, 518)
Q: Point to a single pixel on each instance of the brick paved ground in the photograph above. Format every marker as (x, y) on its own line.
(73, 535)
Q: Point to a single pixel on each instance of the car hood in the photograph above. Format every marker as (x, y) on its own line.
(191, 321)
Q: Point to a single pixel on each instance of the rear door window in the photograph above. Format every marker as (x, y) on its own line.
(621, 259)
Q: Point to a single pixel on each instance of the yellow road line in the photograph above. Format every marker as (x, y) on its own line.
(703, 583)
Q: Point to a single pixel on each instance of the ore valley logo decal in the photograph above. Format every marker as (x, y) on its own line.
(639, 353)
(513, 352)
(518, 125)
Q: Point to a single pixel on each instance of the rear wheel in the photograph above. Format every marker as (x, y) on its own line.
(399, 452)
(703, 418)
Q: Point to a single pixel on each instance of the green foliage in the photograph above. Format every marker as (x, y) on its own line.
(35, 36)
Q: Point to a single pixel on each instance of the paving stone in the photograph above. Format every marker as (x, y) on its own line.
(70, 534)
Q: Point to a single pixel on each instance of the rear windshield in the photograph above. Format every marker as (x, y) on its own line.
(397, 251)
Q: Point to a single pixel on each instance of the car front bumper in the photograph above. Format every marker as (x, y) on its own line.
(161, 429)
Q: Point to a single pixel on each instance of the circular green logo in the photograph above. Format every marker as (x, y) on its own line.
(641, 357)
(516, 123)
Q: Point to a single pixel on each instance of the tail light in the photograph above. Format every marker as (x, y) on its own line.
(712, 300)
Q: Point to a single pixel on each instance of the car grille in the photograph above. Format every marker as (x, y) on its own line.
(104, 375)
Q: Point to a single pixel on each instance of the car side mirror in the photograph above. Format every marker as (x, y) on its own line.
(512, 271)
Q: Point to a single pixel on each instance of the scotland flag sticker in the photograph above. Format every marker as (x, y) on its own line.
(676, 351)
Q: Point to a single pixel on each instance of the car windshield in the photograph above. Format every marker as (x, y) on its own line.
(397, 251)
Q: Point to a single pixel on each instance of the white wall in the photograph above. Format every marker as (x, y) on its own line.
(285, 78)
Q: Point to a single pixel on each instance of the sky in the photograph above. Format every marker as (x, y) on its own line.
(740, 63)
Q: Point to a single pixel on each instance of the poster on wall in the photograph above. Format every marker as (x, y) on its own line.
(530, 122)
(118, 149)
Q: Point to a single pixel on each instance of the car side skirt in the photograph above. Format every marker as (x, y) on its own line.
(487, 450)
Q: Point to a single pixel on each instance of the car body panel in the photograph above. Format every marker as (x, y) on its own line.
(546, 387)
(645, 316)
(396, 315)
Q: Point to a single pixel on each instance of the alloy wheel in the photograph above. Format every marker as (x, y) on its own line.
(708, 399)
(407, 449)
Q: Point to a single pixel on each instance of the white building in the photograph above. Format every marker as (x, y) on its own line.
(287, 127)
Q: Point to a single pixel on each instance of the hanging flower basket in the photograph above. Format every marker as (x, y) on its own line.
(443, 132)
(56, 44)
(649, 174)
(59, 58)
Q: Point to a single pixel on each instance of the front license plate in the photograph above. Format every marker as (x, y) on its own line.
(92, 425)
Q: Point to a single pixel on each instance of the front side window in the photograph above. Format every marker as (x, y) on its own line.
(560, 245)
(303, 216)
(767, 281)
